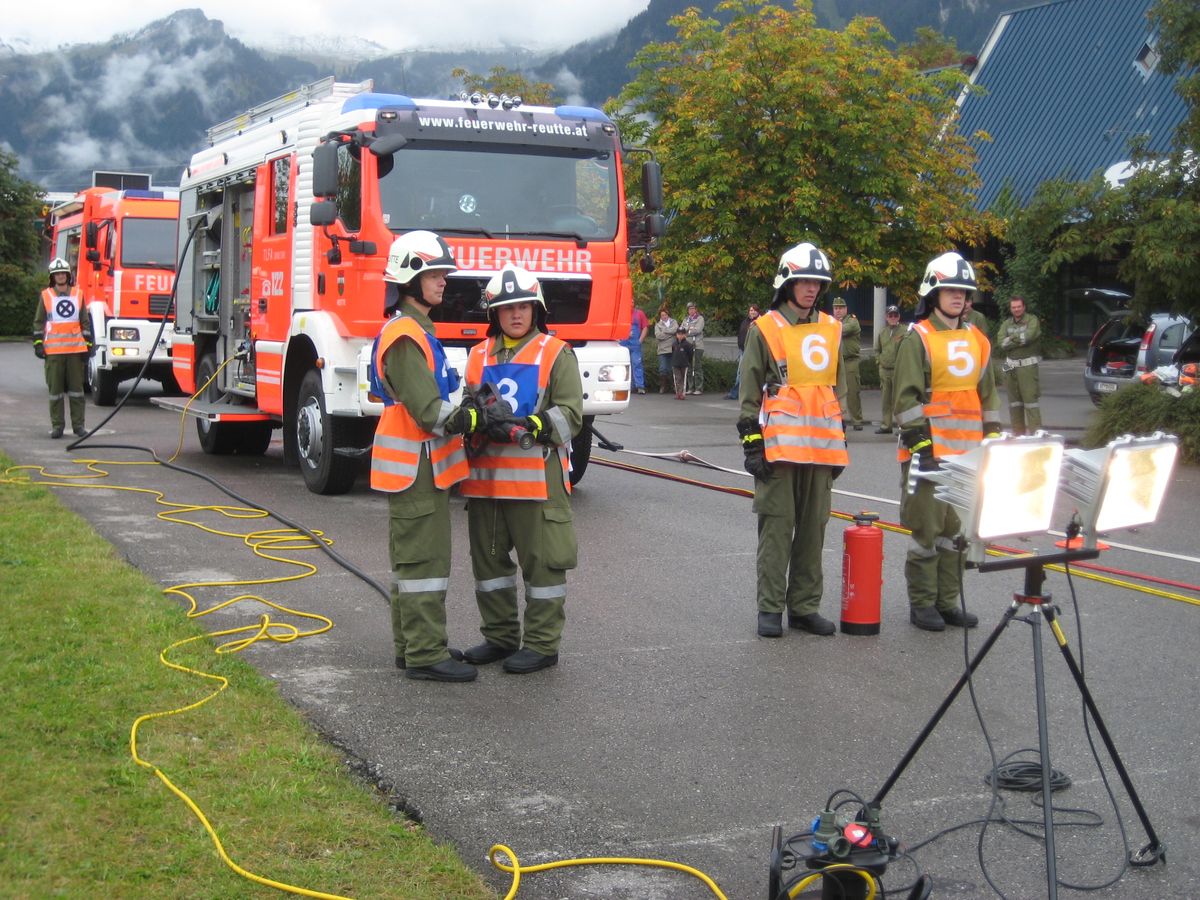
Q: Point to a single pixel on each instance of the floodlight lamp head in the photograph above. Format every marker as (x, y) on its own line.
(1004, 487)
(1121, 485)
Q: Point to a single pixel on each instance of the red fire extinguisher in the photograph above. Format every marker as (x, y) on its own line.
(862, 575)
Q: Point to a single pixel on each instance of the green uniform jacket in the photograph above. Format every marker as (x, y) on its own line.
(851, 338)
(1019, 340)
(39, 321)
(410, 378)
(759, 368)
(979, 320)
(887, 344)
(912, 381)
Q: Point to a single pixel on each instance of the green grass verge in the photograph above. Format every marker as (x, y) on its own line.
(80, 636)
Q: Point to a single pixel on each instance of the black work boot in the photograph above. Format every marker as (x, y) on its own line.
(56, 432)
(770, 624)
(487, 652)
(955, 616)
(813, 623)
(926, 618)
(525, 661)
(446, 670)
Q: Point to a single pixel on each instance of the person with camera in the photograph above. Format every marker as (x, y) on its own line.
(946, 402)
(519, 487)
(418, 454)
(62, 336)
(794, 439)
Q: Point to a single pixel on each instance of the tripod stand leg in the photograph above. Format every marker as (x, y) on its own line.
(1039, 680)
(1156, 849)
(941, 710)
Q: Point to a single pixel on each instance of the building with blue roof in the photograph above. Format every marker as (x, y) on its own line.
(1068, 84)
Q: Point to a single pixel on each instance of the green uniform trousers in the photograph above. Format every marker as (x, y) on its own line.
(419, 547)
(887, 384)
(853, 390)
(64, 375)
(793, 509)
(1024, 394)
(933, 566)
(543, 534)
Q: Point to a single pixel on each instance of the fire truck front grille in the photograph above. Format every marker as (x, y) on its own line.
(159, 304)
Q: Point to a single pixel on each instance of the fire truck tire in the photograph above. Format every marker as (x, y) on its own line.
(225, 438)
(581, 450)
(104, 387)
(324, 471)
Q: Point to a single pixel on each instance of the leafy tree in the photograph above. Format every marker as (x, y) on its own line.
(772, 131)
(502, 80)
(21, 213)
(931, 50)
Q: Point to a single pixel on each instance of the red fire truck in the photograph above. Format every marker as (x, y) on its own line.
(287, 218)
(121, 246)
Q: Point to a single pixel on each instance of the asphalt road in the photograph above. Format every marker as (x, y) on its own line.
(669, 730)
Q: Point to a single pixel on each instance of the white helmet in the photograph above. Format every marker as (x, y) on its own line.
(512, 284)
(949, 270)
(802, 261)
(57, 265)
(417, 252)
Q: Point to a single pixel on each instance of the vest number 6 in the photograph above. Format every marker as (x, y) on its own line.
(961, 362)
(814, 352)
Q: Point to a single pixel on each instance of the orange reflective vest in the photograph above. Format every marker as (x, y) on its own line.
(399, 439)
(958, 359)
(64, 332)
(501, 471)
(802, 419)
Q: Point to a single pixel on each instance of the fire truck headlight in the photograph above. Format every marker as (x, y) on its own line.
(123, 334)
(613, 374)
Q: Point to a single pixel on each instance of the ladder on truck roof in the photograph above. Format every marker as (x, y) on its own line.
(284, 103)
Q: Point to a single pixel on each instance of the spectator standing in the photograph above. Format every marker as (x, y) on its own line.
(743, 328)
(694, 324)
(887, 343)
(638, 328)
(851, 351)
(664, 339)
(1020, 341)
(682, 356)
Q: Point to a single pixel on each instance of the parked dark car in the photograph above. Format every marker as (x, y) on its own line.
(1187, 358)
(1128, 345)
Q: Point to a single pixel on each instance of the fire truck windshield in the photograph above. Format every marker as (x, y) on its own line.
(148, 243)
(503, 190)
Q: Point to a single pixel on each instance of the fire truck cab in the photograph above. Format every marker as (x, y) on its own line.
(287, 219)
(121, 246)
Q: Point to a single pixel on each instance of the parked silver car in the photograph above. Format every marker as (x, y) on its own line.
(1128, 345)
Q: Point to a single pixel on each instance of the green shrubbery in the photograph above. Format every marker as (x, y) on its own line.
(1142, 409)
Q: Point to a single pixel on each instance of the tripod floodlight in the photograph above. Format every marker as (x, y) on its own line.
(1121, 485)
(1004, 487)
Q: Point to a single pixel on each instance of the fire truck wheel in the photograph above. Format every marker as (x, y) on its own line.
(104, 386)
(225, 438)
(324, 471)
(581, 450)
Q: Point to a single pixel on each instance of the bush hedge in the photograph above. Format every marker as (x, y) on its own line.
(1143, 409)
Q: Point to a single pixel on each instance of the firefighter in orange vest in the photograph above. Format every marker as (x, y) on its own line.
(946, 402)
(62, 336)
(418, 454)
(520, 495)
(794, 440)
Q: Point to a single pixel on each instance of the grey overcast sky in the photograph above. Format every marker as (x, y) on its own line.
(399, 25)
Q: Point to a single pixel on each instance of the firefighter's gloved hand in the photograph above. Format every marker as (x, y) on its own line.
(755, 461)
(539, 430)
(39, 350)
(502, 426)
(992, 429)
(464, 419)
(925, 461)
(91, 349)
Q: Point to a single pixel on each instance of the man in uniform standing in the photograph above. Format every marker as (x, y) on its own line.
(62, 336)
(418, 453)
(1020, 341)
(946, 402)
(520, 497)
(887, 344)
(851, 350)
(793, 439)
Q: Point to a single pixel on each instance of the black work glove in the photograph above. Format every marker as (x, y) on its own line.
(539, 429)
(39, 350)
(992, 429)
(920, 445)
(501, 425)
(925, 461)
(755, 461)
(464, 419)
(91, 349)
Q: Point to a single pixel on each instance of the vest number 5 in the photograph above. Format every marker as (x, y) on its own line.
(814, 352)
(961, 362)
